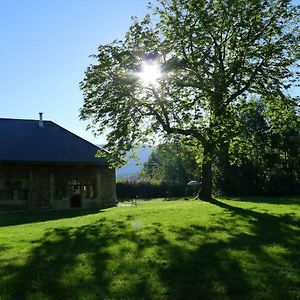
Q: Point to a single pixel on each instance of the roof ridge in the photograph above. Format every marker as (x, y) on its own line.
(70, 132)
(15, 119)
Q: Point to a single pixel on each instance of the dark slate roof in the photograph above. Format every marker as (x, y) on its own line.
(26, 141)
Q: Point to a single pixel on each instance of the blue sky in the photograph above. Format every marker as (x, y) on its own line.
(44, 51)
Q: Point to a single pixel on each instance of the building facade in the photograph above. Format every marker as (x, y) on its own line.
(44, 166)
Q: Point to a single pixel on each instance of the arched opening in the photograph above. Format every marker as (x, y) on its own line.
(75, 186)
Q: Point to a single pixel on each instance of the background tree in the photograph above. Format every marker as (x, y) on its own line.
(264, 154)
(172, 162)
(211, 52)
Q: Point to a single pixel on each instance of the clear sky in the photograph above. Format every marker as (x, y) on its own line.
(44, 51)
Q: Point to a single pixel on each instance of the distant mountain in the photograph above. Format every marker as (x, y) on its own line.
(133, 166)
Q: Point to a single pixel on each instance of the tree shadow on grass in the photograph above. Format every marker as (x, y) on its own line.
(190, 198)
(18, 218)
(268, 200)
(120, 260)
(56, 270)
(225, 263)
(2, 248)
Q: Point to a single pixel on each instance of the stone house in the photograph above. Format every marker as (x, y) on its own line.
(43, 165)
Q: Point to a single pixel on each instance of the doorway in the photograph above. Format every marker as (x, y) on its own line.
(75, 200)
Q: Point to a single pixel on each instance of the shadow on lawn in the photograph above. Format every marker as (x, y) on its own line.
(268, 200)
(190, 198)
(238, 268)
(18, 218)
(122, 260)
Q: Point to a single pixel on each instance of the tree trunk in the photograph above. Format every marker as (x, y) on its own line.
(206, 186)
(225, 179)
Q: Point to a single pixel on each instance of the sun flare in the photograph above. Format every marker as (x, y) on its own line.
(150, 73)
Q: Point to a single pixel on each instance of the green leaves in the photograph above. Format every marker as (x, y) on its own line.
(174, 161)
(212, 53)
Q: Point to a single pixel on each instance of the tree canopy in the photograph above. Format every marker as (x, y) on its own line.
(211, 55)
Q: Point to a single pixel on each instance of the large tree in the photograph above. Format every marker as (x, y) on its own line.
(201, 57)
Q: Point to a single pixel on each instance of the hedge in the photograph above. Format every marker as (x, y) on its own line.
(145, 189)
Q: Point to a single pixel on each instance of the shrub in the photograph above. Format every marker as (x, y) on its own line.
(146, 189)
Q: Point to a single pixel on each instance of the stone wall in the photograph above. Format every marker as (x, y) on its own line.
(41, 186)
(106, 187)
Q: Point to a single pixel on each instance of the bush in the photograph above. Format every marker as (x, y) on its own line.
(146, 189)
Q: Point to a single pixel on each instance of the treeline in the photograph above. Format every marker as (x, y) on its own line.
(259, 156)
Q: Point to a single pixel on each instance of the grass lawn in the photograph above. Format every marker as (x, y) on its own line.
(245, 248)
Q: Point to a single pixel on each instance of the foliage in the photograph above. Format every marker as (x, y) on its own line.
(211, 53)
(148, 189)
(156, 250)
(173, 162)
(261, 158)
(264, 155)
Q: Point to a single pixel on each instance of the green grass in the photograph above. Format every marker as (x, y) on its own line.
(245, 248)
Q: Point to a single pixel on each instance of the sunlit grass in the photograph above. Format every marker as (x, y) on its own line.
(227, 249)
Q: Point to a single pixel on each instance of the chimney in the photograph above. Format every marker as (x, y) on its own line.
(41, 123)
